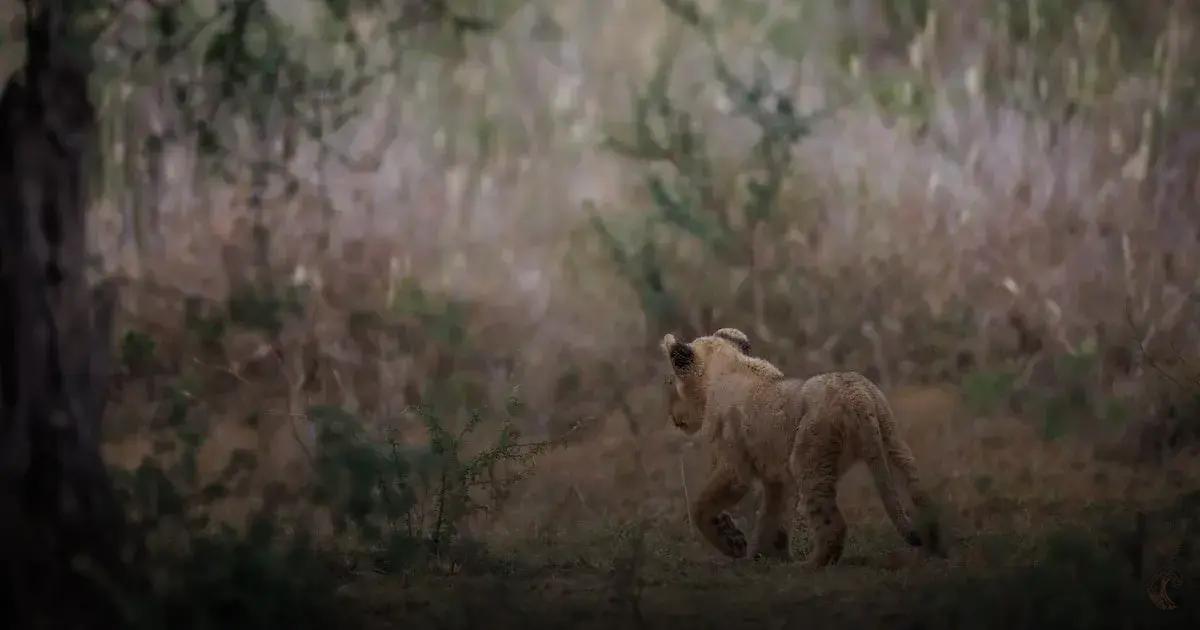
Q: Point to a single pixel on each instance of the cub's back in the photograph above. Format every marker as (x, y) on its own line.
(834, 410)
(835, 404)
(840, 390)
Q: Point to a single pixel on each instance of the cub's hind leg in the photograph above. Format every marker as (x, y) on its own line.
(814, 467)
(724, 490)
(771, 533)
(825, 522)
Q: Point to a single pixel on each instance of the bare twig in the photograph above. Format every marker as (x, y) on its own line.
(582, 501)
(293, 408)
(1147, 357)
(227, 370)
(687, 499)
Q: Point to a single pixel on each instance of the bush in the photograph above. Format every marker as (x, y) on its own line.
(394, 507)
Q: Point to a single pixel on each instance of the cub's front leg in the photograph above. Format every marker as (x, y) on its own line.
(771, 533)
(723, 490)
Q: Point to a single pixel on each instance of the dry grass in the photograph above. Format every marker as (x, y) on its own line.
(558, 538)
(992, 474)
(1004, 488)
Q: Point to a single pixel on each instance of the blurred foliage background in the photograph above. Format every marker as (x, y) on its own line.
(995, 192)
(419, 240)
(923, 191)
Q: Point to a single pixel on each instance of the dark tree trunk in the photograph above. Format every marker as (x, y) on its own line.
(59, 520)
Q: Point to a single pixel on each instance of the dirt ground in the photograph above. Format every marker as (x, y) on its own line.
(568, 553)
(599, 535)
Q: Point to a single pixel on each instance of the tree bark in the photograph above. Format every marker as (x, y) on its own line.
(60, 524)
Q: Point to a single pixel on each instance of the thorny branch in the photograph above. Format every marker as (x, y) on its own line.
(1151, 361)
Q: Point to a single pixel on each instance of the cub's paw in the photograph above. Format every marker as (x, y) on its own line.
(733, 541)
(774, 549)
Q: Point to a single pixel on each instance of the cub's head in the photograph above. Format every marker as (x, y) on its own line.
(689, 363)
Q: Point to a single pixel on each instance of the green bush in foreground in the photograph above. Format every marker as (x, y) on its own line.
(273, 572)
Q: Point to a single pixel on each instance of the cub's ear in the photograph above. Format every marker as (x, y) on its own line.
(682, 357)
(668, 340)
(736, 337)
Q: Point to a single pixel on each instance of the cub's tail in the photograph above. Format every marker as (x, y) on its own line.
(904, 464)
(876, 458)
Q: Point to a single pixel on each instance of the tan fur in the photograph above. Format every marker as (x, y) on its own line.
(794, 437)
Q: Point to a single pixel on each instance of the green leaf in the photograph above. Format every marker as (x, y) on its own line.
(137, 350)
(514, 405)
(178, 405)
(985, 391)
(339, 8)
(206, 140)
(191, 438)
(220, 49)
(1055, 418)
(240, 460)
(214, 491)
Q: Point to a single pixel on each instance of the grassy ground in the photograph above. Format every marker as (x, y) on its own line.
(1039, 530)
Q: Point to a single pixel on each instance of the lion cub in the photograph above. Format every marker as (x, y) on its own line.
(792, 436)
